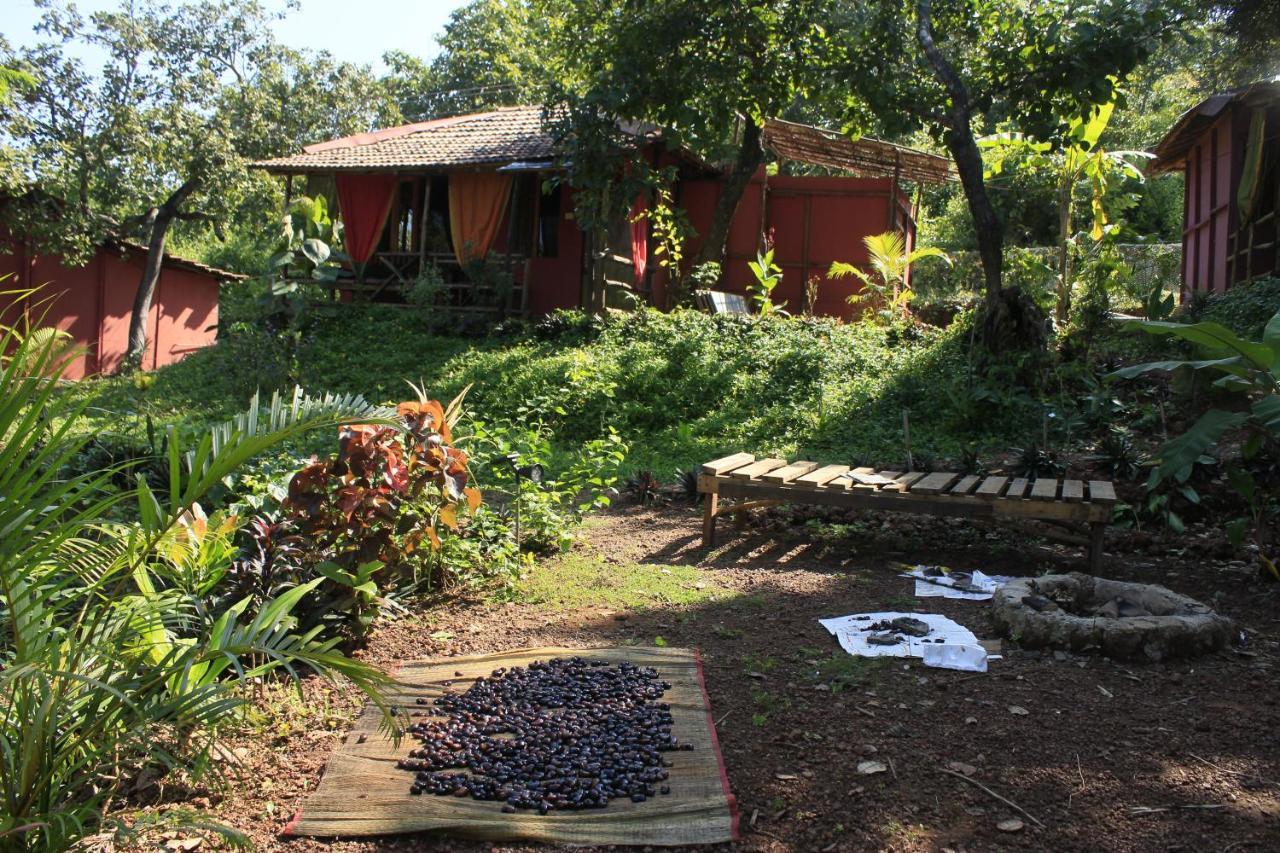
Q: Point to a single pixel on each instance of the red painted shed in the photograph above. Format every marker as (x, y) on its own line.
(1228, 148)
(92, 302)
(426, 195)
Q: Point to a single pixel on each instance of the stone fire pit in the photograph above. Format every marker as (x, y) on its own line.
(1130, 621)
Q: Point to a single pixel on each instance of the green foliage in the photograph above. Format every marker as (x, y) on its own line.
(889, 259)
(307, 239)
(768, 276)
(1244, 309)
(1248, 370)
(115, 655)
(1078, 160)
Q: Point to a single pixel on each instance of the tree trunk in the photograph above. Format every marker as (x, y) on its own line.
(964, 150)
(1063, 307)
(750, 156)
(159, 218)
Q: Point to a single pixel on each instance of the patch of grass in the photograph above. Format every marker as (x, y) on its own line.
(726, 633)
(844, 671)
(754, 600)
(769, 706)
(579, 579)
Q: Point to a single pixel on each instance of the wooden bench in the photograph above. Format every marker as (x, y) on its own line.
(768, 482)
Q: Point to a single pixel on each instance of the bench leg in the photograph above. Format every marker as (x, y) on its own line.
(1097, 530)
(710, 508)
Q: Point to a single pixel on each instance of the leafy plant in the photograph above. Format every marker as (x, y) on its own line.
(426, 289)
(307, 239)
(768, 275)
(705, 276)
(1079, 160)
(1117, 453)
(111, 659)
(687, 483)
(1249, 370)
(387, 492)
(1034, 462)
(885, 287)
(644, 488)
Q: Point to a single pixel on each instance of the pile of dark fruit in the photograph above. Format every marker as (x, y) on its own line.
(567, 734)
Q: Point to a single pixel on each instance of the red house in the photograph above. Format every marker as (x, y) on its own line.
(92, 302)
(446, 192)
(1228, 147)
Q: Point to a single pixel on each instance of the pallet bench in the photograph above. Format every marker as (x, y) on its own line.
(771, 481)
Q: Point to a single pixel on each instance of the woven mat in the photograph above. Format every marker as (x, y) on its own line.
(363, 793)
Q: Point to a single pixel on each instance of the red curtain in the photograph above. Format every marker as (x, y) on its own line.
(477, 201)
(364, 201)
(639, 237)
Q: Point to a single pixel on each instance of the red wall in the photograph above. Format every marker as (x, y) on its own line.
(93, 303)
(1208, 209)
(1218, 250)
(814, 220)
(557, 282)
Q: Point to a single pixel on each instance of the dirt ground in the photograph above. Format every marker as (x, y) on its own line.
(1101, 755)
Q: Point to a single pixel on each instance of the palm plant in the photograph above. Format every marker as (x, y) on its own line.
(885, 286)
(109, 662)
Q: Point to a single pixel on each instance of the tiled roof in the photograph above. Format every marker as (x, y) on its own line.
(502, 136)
(178, 262)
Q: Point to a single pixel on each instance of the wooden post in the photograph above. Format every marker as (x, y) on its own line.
(426, 225)
(1097, 531)
(710, 508)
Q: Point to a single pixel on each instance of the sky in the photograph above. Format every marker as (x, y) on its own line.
(353, 30)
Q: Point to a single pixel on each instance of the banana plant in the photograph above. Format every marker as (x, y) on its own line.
(1079, 160)
(1250, 369)
(886, 285)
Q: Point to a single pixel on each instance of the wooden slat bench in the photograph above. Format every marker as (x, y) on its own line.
(769, 481)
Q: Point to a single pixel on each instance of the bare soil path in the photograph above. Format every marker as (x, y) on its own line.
(1107, 756)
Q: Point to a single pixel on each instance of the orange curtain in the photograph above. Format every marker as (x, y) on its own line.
(477, 201)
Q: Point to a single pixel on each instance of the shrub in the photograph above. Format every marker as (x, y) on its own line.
(387, 495)
(118, 652)
(1244, 309)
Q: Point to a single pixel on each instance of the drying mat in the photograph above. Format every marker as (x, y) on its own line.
(363, 793)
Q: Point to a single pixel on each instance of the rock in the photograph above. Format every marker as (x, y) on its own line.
(867, 768)
(1019, 710)
(1173, 625)
(962, 768)
(1010, 825)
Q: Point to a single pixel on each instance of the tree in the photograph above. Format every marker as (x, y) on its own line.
(1078, 159)
(158, 139)
(945, 65)
(719, 71)
(493, 53)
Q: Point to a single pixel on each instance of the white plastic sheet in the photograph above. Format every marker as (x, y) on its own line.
(942, 587)
(949, 645)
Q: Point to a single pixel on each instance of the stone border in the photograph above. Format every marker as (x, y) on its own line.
(1181, 626)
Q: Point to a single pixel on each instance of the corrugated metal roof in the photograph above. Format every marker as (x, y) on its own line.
(867, 157)
(499, 137)
(1171, 151)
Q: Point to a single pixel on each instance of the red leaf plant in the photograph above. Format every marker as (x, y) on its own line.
(386, 490)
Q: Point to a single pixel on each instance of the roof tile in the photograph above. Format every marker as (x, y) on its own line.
(497, 137)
